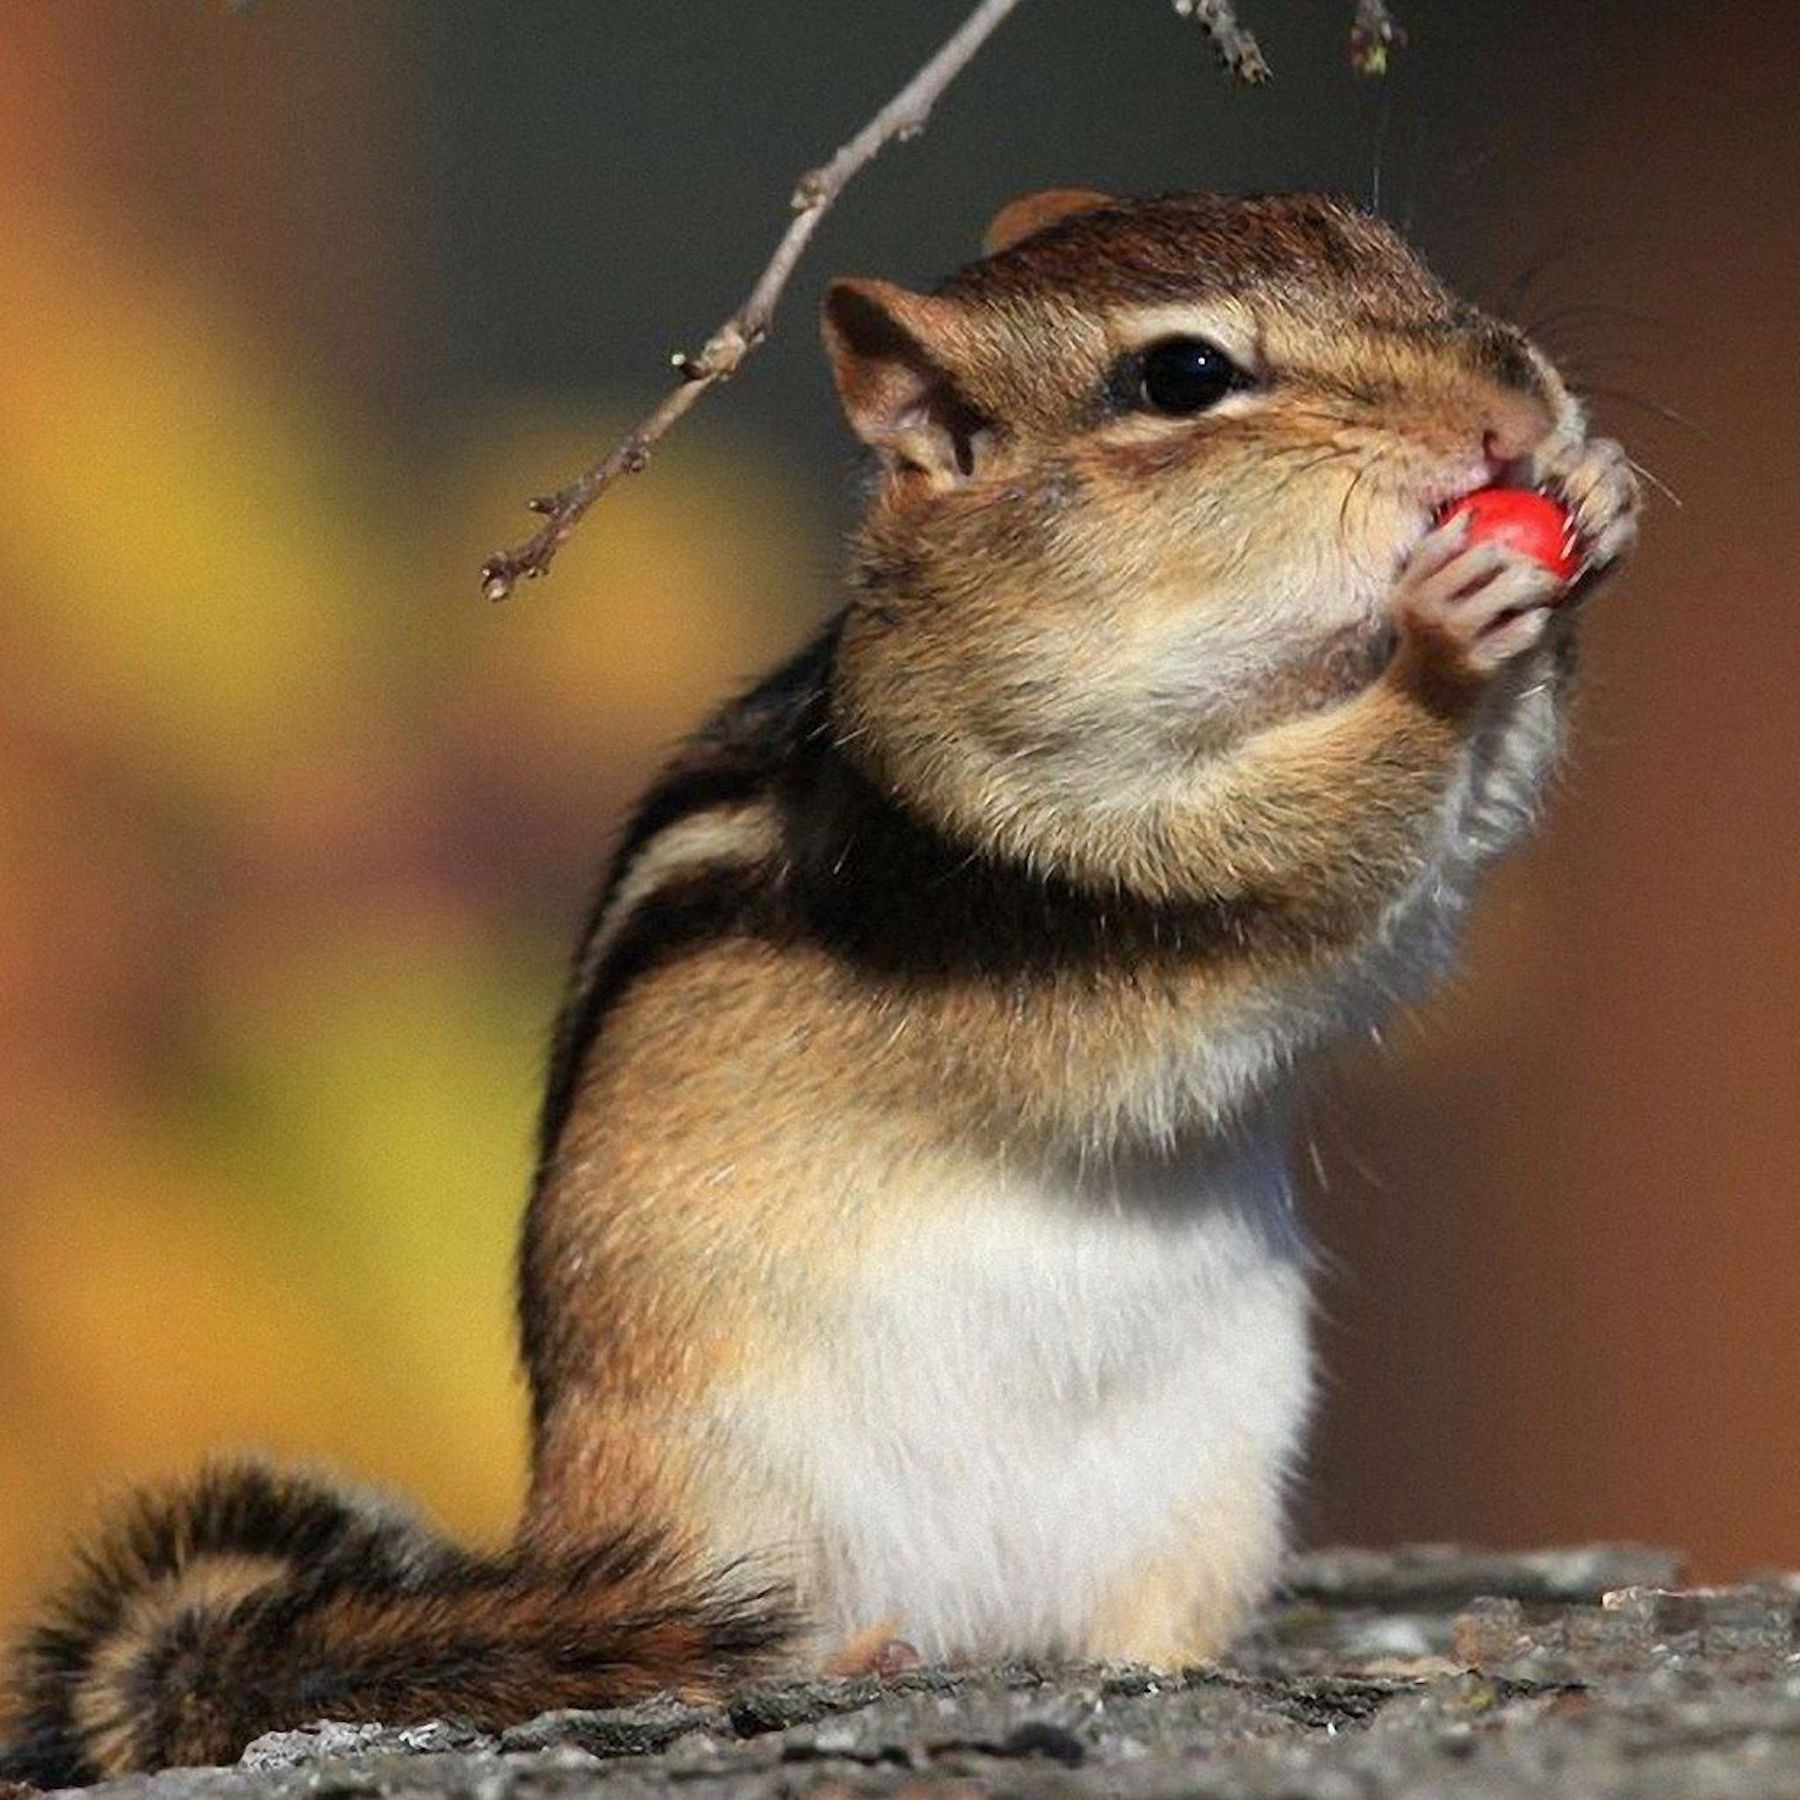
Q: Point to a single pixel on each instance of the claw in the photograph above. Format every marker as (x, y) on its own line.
(1597, 483)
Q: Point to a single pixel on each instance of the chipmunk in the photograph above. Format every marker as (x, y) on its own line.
(910, 1260)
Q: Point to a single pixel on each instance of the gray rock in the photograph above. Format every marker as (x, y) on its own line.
(1447, 1573)
(316, 1743)
(639, 1730)
(1428, 1674)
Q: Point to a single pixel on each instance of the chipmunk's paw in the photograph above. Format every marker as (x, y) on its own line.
(876, 1652)
(1594, 479)
(1464, 610)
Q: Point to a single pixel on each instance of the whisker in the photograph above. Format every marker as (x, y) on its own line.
(1655, 480)
(1381, 134)
(1581, 358)
(1513, 295)
(1364, 469)
(1626, 398)
(1318, 461)
(1608, 310)
(1559, 255)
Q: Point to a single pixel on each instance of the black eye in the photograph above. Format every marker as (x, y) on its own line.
(1187, 375)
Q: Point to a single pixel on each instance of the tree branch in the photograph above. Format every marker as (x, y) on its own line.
(1373, 34)
(1238, 50)
(904, 116)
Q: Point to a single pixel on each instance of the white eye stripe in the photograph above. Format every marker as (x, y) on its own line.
(1221, 322)
(1143, 424)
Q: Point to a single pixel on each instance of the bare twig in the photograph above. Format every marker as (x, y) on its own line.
(904, 116)
(1373, 34)
(1237, 49)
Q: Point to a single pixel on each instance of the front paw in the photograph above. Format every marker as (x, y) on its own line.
(1594, 479)
(1465, 610)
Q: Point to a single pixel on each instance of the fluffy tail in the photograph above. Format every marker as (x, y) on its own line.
(255, 1602)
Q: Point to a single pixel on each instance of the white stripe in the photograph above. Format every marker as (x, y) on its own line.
(736, 836)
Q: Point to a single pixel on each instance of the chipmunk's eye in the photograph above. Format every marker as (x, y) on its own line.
(1187, 375)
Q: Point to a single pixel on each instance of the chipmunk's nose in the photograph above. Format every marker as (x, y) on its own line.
(1516, 408)
(1512, 426)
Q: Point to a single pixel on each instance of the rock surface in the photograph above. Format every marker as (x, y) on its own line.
(1431, 1673)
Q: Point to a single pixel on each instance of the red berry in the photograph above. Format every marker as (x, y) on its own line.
(1524, 521)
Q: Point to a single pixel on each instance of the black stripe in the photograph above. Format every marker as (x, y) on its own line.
(325, 1541)
(880, 888)
(741, 753)
(856, 875)
(895, 897)
(715, 902)
(741, 749)
(668, 925)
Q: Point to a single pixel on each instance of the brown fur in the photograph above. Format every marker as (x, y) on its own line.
(1133, 737)
(252, 1602)
(1032, 213)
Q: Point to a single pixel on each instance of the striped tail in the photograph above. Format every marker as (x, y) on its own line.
(253, 1601)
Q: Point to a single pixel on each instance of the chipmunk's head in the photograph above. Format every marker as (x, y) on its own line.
(1146, 474)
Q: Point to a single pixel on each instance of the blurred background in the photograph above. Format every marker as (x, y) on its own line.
(299, 301)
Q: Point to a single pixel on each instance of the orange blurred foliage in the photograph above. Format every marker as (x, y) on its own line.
(290, 837)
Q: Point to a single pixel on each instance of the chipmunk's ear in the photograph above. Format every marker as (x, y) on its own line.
(894, 356)
(1021, 218)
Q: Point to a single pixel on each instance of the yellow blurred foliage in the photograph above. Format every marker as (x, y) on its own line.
(292, 833)
(177, 537)
(684, 584)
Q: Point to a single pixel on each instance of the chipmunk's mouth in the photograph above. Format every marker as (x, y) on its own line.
(1469, 477)
(1457, 481)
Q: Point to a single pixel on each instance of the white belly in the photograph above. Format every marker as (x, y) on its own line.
(1026, 1396)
